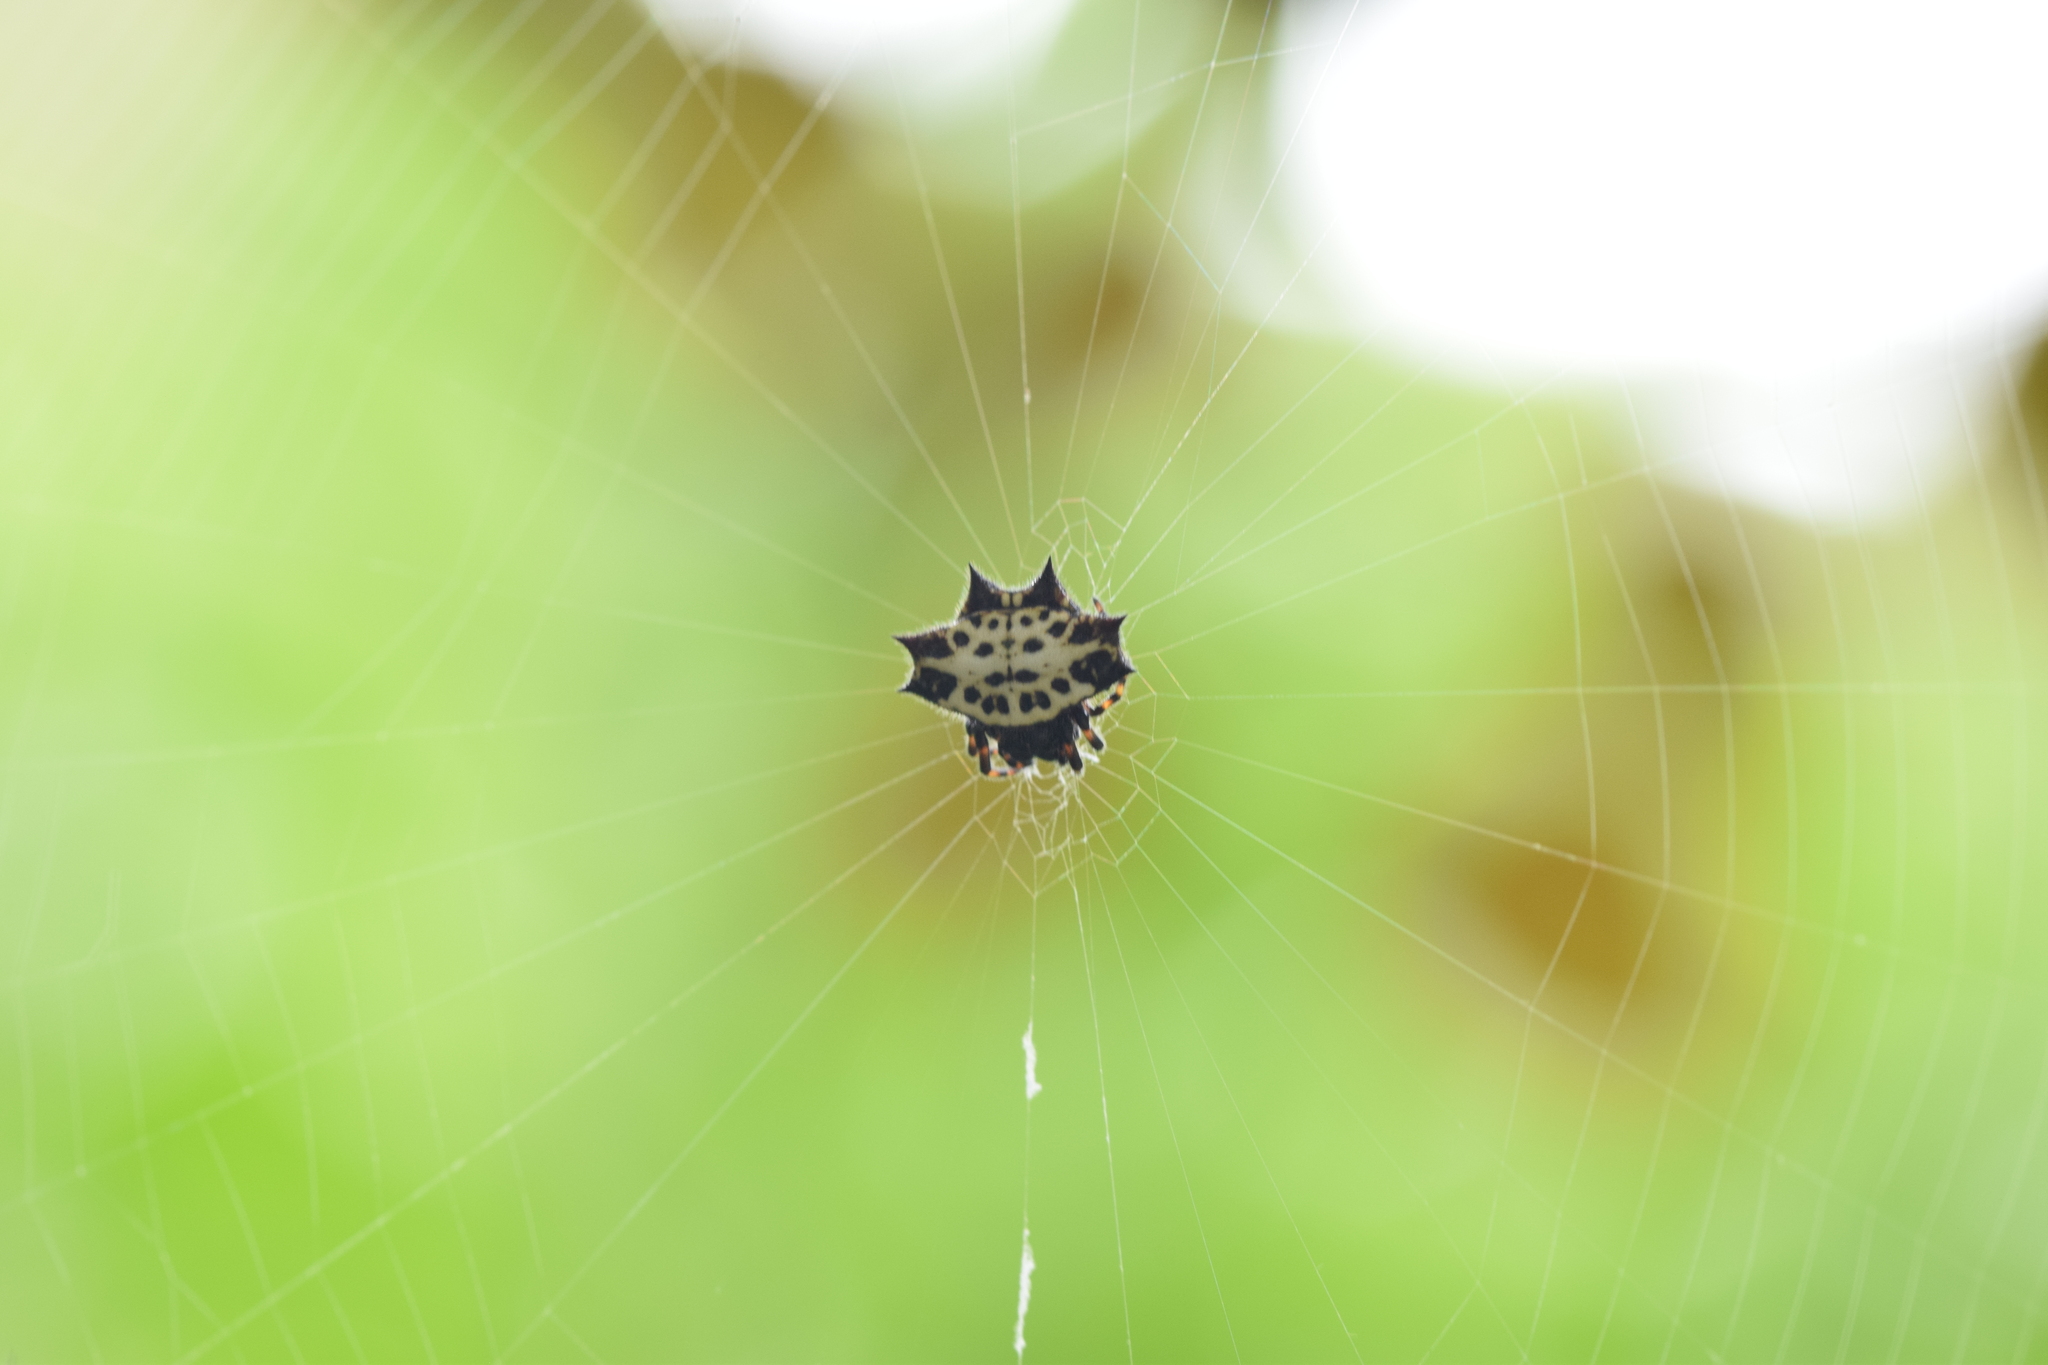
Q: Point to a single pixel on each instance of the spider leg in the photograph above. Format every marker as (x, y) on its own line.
(994, 762)
(1095, 706)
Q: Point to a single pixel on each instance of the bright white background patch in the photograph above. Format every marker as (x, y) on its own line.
(1755, 214)
(942, 51)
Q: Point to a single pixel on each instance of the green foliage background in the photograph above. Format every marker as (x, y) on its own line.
(468, 889)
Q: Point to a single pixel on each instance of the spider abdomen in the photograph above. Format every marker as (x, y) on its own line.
(1026, 668)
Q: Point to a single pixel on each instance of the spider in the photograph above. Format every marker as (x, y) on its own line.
(1027, 669)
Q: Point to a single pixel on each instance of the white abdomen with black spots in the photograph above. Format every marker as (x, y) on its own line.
(1019, 668)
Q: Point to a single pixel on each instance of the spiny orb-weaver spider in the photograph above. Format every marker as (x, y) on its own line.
(1026, 668)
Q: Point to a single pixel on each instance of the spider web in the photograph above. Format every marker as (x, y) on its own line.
(472, 891)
